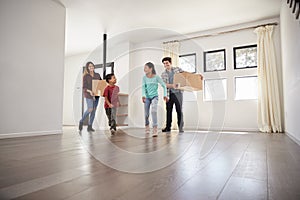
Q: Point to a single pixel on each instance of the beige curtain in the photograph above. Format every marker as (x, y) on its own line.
(171, 49)
(269, 116)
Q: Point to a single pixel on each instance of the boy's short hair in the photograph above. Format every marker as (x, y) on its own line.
(108, 77)
(166, 59)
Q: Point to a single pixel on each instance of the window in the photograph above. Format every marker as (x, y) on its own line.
(214, 60)
(188, 62)
(245, 57)
(109, 69)
(246, 87)
(215, 89)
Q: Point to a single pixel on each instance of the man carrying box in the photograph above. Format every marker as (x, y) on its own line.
(175, 95)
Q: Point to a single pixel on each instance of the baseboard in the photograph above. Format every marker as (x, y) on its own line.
(293, 138)
(29, 134)
(211, 128)
(223, 129)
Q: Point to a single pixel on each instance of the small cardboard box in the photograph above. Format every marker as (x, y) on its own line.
(98, 87)
(188, 81)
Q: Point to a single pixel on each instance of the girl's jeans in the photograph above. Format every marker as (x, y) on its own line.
(153, 102)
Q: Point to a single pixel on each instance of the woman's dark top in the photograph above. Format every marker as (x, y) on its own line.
(88, 83)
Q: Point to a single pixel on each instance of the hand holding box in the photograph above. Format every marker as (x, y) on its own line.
(98, 87)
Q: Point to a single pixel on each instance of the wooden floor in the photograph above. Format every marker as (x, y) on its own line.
(131, 165)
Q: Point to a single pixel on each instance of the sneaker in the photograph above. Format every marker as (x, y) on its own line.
(147, 129)
(90, 129)
(181, 130)
(154, 132)
(112, 131)
(166, 130)
(80, 126)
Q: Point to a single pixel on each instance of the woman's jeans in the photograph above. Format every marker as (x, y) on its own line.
(153, 102)
(91, 104)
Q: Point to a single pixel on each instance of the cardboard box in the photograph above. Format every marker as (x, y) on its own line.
(188, 81)
(98, 87)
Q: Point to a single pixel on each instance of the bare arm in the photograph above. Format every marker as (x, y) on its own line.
(108, 103)
(170, 85)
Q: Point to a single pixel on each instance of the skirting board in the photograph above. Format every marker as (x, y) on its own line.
(293, 138)
(209, 128)
(223, 129)
(28, 134)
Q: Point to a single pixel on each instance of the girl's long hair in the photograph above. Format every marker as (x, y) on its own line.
(86, 69)
(151, 66)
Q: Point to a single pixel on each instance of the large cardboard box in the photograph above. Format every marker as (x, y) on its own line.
(188, 81)
(98, 87)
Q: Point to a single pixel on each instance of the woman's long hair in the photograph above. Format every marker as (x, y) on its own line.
(151, 66)
(86, 69)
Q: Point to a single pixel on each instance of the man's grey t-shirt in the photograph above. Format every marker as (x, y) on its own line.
(171, 81)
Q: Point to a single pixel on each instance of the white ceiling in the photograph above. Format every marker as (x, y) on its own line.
(87, 20)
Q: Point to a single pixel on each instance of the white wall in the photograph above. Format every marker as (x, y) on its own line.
(129, 61)
(73, 71)
(117, 53)
(290, 40)
(228, 115)
(32, 66)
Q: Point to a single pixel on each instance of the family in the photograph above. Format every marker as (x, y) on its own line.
(172, 95)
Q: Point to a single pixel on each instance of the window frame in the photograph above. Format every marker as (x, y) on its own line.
(108, 65)
(234, 56)
(214, 51)
(191, 54)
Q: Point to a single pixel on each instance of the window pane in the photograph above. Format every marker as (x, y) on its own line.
(99, 71)
(215, 89)
(214, 60)
(245, 57)
(245, 88)
(108, 70)
(188, 63)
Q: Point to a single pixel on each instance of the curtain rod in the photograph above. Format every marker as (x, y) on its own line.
(223, 32)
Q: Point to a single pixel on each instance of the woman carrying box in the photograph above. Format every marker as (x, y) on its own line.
(90, 98)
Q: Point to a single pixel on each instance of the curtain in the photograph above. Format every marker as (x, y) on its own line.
(171, 49)
(269, 116)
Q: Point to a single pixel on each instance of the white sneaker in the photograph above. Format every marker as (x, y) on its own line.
(154, 132)
(147, 129)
